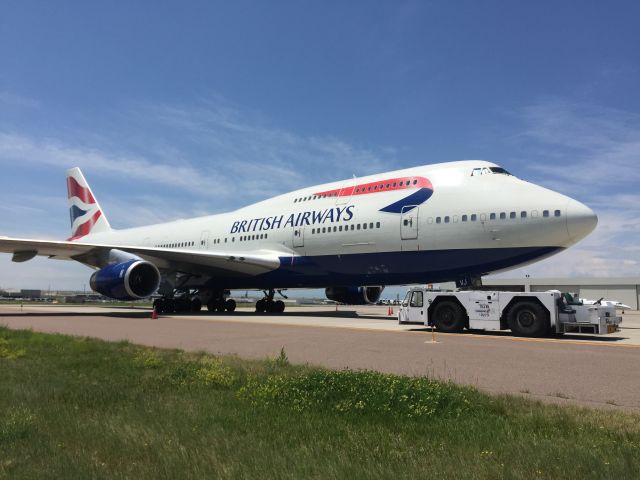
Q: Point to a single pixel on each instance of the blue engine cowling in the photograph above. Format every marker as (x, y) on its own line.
(128, 280)
(354, 295)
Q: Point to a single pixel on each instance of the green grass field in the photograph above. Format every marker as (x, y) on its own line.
(81, 408)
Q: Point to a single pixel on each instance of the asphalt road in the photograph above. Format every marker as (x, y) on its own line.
(594, 371)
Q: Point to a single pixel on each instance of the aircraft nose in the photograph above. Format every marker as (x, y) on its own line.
(581, 220)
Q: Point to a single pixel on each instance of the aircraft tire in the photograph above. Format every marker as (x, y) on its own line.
(158, 305)
(448, 316)
(528, 319)
(278, 306)
(230, 305)
(196, 305)
(211, 305)
(261, 305)
(169, 305)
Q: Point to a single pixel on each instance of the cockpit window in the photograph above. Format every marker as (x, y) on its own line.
(488, 171)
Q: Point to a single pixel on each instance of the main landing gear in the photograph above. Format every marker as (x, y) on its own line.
(177, 304)
(267, 304)
(190, 301)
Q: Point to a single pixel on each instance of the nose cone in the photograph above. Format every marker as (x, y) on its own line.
(581, 220)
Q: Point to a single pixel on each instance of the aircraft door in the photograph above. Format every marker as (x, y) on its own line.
(298, 237)
(204, 240)
(346, 191)
(409, 222)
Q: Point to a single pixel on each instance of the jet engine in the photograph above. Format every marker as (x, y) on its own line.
(354, 295)
(128, 280)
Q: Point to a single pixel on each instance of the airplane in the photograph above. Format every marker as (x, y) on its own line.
(427, 224)
(606, 303)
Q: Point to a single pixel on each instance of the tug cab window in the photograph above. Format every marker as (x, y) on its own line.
(416, 299)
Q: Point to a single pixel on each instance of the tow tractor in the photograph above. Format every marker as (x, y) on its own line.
(526, 314)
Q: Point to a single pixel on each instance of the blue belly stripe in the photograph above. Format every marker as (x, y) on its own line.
(413, 200)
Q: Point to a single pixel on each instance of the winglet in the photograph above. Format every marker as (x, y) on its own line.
(84, 210)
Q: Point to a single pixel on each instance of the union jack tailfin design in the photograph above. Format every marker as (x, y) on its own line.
(85, 212)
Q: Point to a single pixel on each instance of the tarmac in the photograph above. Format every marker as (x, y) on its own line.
(598, 371)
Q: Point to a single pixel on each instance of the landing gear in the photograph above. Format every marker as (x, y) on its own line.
(218, 303)
(178, 302)
(267, 304)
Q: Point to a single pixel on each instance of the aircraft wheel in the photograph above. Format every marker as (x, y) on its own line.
(169, 305)
(528, 319)
(230, 305)
(158, 305)
(261, 305)
(448, 316)
(278, 306)
(196, 305)
(211, 306)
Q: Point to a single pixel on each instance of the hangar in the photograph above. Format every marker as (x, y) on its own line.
(622, 289)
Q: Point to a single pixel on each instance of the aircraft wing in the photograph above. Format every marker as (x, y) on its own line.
(182, 260)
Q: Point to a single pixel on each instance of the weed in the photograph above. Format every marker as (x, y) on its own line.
(9, 352)
(15, 424)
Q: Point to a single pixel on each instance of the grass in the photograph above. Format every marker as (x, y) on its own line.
(81, 408)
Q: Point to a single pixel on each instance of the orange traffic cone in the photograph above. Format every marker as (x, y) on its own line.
(154, 314)
(390, 311)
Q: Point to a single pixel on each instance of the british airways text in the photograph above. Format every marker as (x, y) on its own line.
(294, 220)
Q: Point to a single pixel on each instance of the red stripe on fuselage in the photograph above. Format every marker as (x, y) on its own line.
(85, 228)
(77, 190)
(391, 184)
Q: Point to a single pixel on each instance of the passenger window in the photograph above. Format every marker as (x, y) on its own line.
(324, 229)
(492, 216)
(446, 219)
(335, 229)
(371, 225)
(415, 181)
(430, 220)
(340, 228)
(556, 213)
(352, 226)
(523, 214)
(405, 222)
(364, 226)
(512, 215)
(358, 227)
(545, 213)
(503, 215)
(377, 224)
(394, 184)
(474, 217)
(416, 299)
(438, 220)
(464, 218)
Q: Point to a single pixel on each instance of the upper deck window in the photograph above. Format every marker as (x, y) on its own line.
(499, 170)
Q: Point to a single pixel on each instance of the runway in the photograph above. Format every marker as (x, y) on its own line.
(599, 371)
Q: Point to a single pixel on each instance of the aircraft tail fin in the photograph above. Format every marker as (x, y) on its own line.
(84, 210)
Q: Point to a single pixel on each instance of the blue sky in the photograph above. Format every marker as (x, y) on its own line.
(175, 109)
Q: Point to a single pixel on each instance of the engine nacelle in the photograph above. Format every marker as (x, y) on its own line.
(128, 280)
(354, 295)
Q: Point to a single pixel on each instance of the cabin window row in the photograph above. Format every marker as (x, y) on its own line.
(176, 245)
(494, 216)
(346, 228)
(246, 238)
(370, 188)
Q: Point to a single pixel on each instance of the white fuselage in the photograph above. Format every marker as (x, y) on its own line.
(473, 221)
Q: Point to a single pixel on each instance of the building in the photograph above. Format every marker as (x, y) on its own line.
(625, 290)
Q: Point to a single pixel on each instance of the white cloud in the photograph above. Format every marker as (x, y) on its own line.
(592, 153)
